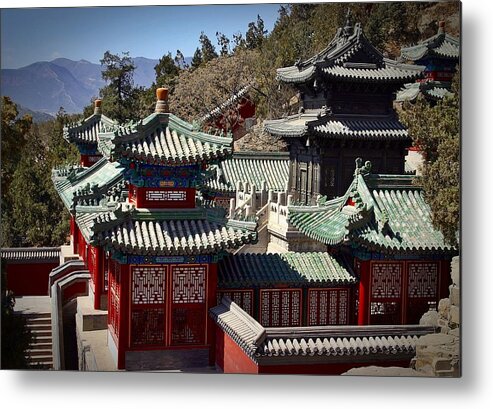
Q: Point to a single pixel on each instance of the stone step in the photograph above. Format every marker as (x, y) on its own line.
(37, 333)
(41, 359)
(39, 327)
(37, 315)
(42, 339)
(39, 352)
(39, 321)
(44, 346)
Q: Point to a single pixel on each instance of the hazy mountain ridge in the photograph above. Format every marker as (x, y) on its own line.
(46, 86)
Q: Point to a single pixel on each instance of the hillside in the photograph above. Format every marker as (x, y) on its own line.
(47, 86)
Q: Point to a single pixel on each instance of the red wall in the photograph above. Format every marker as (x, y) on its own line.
(137, 195)
(89, 160)
(29, 279)
(230, 357)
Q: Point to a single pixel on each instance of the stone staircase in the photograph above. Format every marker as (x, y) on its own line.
(40, 354)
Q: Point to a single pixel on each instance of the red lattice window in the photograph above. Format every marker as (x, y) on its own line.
(189, 284)
(147, 326)
(328, 306)
(422, 280)
(386, 280)
(148, 285)
(188, 314)
(188, 326)
(280, 308)
(244, 298)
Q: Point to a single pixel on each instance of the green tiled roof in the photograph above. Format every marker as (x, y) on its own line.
(293, 269)
(252, 167)
(340, 60)
(89, 186)
(163, 138)
(86, 131)
(433, 90)
(389, 215)
(166, 232)
(440, 45)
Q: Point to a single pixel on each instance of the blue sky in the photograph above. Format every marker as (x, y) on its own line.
(43, 34)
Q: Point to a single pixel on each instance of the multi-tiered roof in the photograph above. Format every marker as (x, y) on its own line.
(98, 196)
(349, 58)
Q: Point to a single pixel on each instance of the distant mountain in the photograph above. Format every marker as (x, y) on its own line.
(37, 116)
(47, 86)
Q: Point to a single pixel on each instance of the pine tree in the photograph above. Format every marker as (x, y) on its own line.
(197, 59)
(436, 131)
(120, 97)
(207, 49)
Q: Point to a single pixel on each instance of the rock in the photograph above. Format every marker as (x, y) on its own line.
(444, 308)
(454, 316)
(454, 295)
(455, 270)
(383, 371)
(429, 318)
(455, 332)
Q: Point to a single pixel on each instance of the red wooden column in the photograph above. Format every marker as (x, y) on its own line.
(98, 275)
(123, 337)
(74, 230)
(211, 302)
(364, 293)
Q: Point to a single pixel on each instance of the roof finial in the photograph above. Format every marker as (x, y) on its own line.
(162, 101)
(348, 26)
(97, 107)
(441, 27)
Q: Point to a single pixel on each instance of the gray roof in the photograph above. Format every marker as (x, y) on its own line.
(321, 344)
(433, 90)
(31, 254)
(341, 60)
(230, 101)
(441, 45)
(370, 127)
(252, 167)
(390, 72)
(338, 126)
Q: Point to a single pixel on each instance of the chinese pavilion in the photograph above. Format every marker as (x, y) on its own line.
(383, 225)
(150, 244)
(346, 93)
(439, 55)
(85, 135)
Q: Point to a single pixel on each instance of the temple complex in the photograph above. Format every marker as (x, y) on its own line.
(185, 254)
